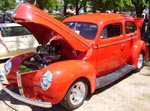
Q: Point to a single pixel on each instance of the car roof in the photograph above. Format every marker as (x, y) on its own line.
(98, 17)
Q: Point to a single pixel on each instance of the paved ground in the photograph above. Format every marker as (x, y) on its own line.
(131, 93)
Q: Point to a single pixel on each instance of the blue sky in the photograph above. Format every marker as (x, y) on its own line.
(17, 0)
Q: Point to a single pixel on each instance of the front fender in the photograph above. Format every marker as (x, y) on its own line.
(138, 47)
(65, 73)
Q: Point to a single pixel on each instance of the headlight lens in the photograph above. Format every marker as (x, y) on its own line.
(46, 80)
(7, 66)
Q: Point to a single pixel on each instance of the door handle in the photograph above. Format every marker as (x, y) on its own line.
(123, 46)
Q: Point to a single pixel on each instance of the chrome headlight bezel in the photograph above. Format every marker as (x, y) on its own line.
(7, 66)
(46, 80)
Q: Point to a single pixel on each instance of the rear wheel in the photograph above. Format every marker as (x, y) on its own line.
(75, 95)
(140, 62)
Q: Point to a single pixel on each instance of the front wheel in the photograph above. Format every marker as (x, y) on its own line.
(75, 95)
(140, 62)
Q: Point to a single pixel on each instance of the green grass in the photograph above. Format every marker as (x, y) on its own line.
(59, 17)
(23, 68)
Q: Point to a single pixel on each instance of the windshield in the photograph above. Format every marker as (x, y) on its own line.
(87, 30)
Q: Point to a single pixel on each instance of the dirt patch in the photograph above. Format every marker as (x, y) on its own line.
(131, 93)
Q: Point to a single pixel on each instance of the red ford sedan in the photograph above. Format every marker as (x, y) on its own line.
(74, 58)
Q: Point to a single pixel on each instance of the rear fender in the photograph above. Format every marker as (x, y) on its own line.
(138, 47)
(139, 21)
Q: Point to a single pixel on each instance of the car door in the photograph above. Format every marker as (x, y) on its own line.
(131, 34)
(111, 47)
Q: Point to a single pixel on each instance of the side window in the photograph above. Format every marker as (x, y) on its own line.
(111, 30)
(130, 27)
(14, 31)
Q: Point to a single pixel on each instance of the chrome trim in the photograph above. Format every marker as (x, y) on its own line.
(49, 77)
(7, 66)
(3, 78)
(114, 43)
(26, 100)
(19, 81)
(23, 98)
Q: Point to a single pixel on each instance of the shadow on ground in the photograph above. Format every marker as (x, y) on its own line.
(5, 97)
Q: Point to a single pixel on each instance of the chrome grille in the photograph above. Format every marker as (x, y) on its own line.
(19, 81)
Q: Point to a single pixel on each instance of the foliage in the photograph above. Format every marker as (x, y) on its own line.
(95, 5)
(48, 4)
(23, 68)
(7, 4)
(115, 5)
(78, 4)
(52, 4)
(139, 5)
(66, 3)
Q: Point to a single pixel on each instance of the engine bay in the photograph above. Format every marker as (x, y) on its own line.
(45, 55)
(57, 49)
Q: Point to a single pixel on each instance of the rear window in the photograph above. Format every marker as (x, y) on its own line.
(14, 31)
(130, 27)
(86, 30)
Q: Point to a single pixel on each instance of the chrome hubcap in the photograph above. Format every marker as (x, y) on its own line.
(77, 93)
(140, 61)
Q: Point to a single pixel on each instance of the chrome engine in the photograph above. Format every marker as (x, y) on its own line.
(45, 55)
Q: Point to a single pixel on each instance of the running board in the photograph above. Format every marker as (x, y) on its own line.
(112, 77)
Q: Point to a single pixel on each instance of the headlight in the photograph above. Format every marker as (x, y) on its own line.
(46, 80)
(7, 66)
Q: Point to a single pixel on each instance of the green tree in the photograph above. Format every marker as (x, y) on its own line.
(7, 4)
(119, 5)
(78, 4)
(115, 5)
(49, 4)
(140, 5)
(66, 3)
(97, 5)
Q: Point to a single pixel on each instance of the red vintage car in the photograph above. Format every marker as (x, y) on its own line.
(74, 58)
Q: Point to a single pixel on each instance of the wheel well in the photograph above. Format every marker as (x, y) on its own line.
(66, 102)
(88, 84)
(143, 52)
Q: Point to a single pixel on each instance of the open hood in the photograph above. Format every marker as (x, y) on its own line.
(44, 26)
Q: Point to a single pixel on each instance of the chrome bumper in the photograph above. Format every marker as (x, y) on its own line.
(22, 98)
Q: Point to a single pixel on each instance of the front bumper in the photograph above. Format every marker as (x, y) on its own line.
(23, 98)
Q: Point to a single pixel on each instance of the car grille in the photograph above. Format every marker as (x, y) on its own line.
(19, 81)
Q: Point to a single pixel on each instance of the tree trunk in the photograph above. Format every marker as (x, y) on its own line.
(6, 3)
(65, 9)
(94, 6)
(138, 12)
(77, 7)
(138, 8)
(84, 7)
(39, 3)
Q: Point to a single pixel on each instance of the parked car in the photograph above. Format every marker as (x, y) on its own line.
(75, 57)
(18, 40)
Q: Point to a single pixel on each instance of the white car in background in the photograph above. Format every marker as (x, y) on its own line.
(18, 40)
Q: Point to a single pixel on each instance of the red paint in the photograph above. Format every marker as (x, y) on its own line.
(94, 58)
